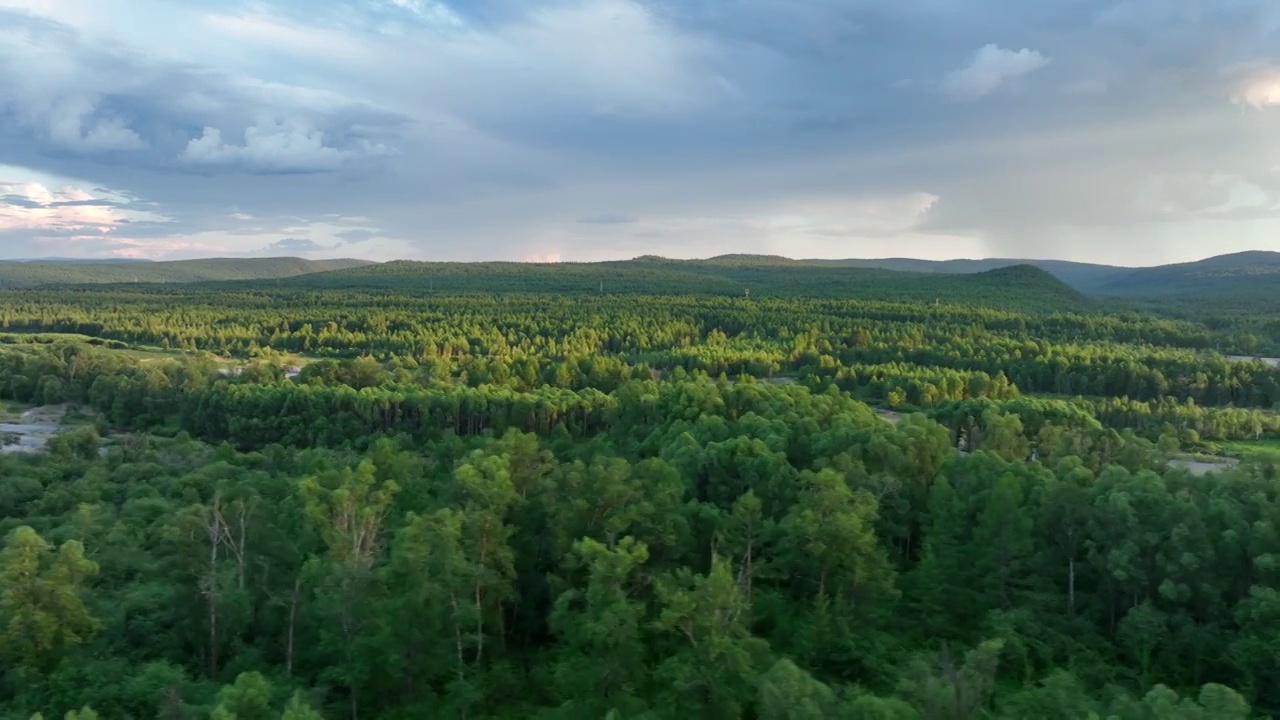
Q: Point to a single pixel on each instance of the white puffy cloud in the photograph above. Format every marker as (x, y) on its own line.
(64, 90)
(272, 147)
(991, 67)
(73, 123)
(49, 95)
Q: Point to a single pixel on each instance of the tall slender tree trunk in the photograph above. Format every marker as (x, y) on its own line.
(293, 618)
(1071, 586)
(241, 543)
(479, 627)
(211, 592)
(457, 632)
(348, 636)
(479, 607)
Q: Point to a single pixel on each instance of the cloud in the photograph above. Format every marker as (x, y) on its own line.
(546, 256)
(64, 92)
(38, 219)
(433, 13)
(990, 68)
(88, 202)
(1089, 86)
(496, 129)
(295, 245)
(275, 148)
(607, 219)
(358, 235)
(74, 123)
(39, 210)
(879, 217)
(41, 93)
(1257, 87)
(21, 201)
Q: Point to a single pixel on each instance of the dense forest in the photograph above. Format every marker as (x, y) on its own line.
(418, 491)
(36, 273)
(1245, 276)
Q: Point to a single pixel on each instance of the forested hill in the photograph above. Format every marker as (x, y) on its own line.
(1085, 277)
(62, 272)
(1053, 284)
(1019, 286)
(1239, 275)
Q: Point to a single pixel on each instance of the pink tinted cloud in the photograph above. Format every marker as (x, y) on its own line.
(150, 249)
(72, 221)
(1256, 86)
(40, 209)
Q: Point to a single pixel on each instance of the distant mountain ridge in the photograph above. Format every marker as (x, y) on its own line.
(1246, 276)
(81, 261)
(36, 273)
(1244, 273)
(1019, 286)
(1085, 277)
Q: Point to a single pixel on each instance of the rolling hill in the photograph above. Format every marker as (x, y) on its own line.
(1085, 277)
(1240, 277)
(1236, 276)
(83, 261)
(21, 274)
(1019, 286)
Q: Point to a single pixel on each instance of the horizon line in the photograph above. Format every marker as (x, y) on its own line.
(1015, 260)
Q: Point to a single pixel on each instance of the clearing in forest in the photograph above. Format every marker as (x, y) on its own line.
(31, 430)
(1202, 465)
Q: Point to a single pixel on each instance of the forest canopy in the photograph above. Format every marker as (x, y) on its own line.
(394, 499)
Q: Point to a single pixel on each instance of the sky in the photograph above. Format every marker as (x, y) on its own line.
(1132, 132)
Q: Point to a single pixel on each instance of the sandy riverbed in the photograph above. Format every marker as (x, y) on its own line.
(31, 431)
(888, 415)
(1204, 467)
(1273, 362)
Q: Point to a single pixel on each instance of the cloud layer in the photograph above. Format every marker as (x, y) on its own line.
(1129, 131)
(991, 67)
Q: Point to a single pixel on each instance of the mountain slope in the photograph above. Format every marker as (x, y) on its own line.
(34, 273)
(82, 261)
(1237, 276)
(1019, 286)
(1085, 277)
